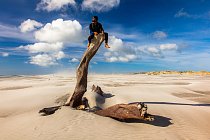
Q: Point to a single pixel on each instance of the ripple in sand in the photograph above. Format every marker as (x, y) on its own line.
(141, 83)
(198, 96)
(114, 85)
(15, 88)
(62, 100)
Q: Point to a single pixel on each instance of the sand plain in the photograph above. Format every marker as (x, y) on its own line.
(180, 104)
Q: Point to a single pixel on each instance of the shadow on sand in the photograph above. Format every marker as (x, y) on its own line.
(159, 121)
(169, 103)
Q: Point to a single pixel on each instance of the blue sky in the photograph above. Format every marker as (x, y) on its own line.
(49, 36)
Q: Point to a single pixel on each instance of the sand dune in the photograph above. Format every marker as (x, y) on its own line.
(180, 104)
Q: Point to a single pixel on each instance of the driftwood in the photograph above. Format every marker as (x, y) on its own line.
(49, 110)
(97, 90)
(126, 111)
(84, 105)
(119, 111)
(136, 111)
(82, 72)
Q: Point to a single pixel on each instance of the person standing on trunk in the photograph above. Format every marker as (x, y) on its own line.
(96, 28)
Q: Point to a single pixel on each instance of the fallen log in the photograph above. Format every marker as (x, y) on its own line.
(126, 112)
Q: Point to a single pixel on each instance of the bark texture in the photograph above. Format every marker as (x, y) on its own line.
(97, 90)
(126, 111)
(82, 72)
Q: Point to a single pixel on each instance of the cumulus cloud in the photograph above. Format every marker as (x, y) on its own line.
(4, 54)
(159, 35)
(46, 59)
(42, 60)
(54, 5)
(90, 5)
(125, 52)
(158, 50)
(29, 25)
(74, 60)
(168, 47)
(112, 59)
(119, 58)
(115, 43)
(99, 5)
(154, 51)
(43, 47)
(119, 51)
(59, 55)
(45, 54)
(67, 31)
(51, 40)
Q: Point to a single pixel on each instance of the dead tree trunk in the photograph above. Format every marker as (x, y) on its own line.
(82, 72)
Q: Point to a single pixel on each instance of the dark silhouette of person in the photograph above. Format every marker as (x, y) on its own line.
(96, 28)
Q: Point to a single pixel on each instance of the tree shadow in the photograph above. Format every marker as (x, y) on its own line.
(169, 103)
(159, 121)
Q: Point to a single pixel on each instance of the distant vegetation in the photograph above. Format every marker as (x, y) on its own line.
(175, 72)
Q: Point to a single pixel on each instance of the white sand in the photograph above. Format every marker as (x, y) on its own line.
(176, 117)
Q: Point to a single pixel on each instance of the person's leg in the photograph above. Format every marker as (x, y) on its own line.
(89, 39)
(106, 37)
(106, 40)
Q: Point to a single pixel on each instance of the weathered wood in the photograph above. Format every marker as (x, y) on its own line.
(49, 110)
(82, 72)
(126, 111)
(97, 90)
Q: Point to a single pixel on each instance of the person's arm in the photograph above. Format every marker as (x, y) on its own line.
(91, 30)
